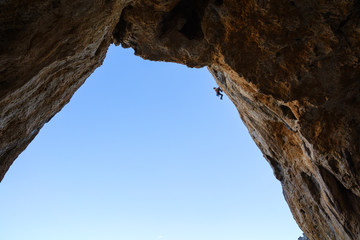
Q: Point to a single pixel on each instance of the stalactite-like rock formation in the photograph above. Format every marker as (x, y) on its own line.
(290, 67)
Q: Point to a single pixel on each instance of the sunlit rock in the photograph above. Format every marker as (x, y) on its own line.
(290, 67)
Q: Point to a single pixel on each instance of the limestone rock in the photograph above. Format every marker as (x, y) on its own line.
(47, 50)
(290, 67)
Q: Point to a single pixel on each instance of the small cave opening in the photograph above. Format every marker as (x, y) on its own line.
(186, 17)
(287, 112)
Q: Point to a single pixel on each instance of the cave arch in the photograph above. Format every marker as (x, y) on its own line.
(291, 69)
(114, 160)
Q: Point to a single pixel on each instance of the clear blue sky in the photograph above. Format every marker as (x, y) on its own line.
(144, 151)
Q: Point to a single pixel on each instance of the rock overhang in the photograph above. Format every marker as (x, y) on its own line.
(291, 68)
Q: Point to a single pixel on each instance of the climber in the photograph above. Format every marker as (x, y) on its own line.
(218, 92)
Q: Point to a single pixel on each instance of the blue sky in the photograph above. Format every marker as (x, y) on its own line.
(144, 151)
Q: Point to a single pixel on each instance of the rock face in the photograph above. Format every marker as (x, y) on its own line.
(47, 50)
(291, 68)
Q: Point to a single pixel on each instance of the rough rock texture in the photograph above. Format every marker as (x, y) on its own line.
(290, 67)
(47, 50)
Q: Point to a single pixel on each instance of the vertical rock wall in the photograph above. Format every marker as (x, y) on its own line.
(47, 50)
(290, 67)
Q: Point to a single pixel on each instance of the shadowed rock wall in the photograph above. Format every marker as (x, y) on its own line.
(47, 50)
(290, 67)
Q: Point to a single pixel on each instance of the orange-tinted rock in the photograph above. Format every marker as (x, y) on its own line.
(290, 67)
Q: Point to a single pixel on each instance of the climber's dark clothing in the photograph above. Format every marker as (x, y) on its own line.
(218, 92)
